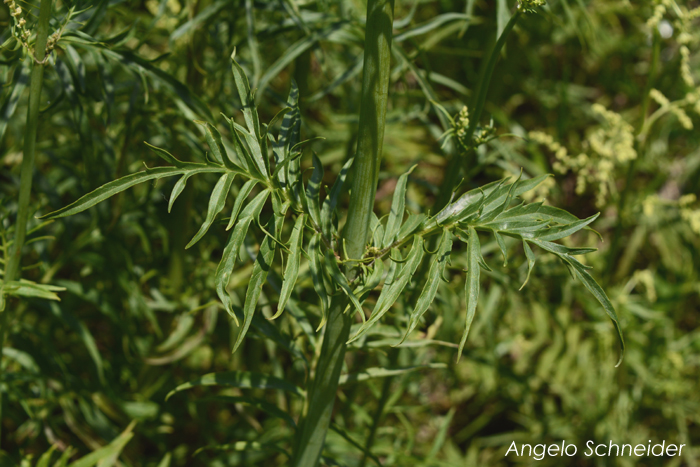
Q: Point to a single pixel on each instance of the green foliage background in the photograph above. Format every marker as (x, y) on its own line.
(140, 314)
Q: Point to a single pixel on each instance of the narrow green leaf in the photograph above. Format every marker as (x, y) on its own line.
(250, 113)
(502, 246)
(313, 190)
(561, 249)
(233, 246)
(376, 228)
(501, 193)
(112, 450)
(517, 228)
(502, 16)
(391, 293)
(319, 277)
(398, 204)
(600, 295)
(438, 264)
(331, 201)
(46, 457)
(251, 150)
(442, 434)
(25, 288)
(292, 52)
(165, 462)
(261, 267)
(112, 188)
(370, 373)
(413, 223)
(530, 262)
(474, 260)
(165, 155)
(292, 271)
(217, 201)
(217, 147)
(504, 205)
(177, 190)
(434, 23)
(240, 199)
(557, 215)
(239, 379)
(284, 139)
(556, 233)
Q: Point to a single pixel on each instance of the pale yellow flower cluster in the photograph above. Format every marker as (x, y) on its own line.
(684, 204)
(676, 107)
(686, 32)
(659, 11)
(607, 146)
(462, 123)
(23, 32)
(530, 5)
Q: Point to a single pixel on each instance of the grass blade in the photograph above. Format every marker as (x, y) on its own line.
(110, 451)
(239, 379)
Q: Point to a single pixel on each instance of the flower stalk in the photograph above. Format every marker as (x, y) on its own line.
(455, 164)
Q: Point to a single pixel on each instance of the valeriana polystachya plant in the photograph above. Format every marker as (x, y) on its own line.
(397, 244)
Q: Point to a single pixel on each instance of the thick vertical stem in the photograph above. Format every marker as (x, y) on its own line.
(37, 79)
(454, 165)
(375, 89)
(312, 430)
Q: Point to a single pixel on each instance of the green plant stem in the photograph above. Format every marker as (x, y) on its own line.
(370, 137)
(37, 80)
(312, 431)
(454, 165)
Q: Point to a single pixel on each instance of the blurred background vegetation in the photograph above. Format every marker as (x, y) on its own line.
(601, 93)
